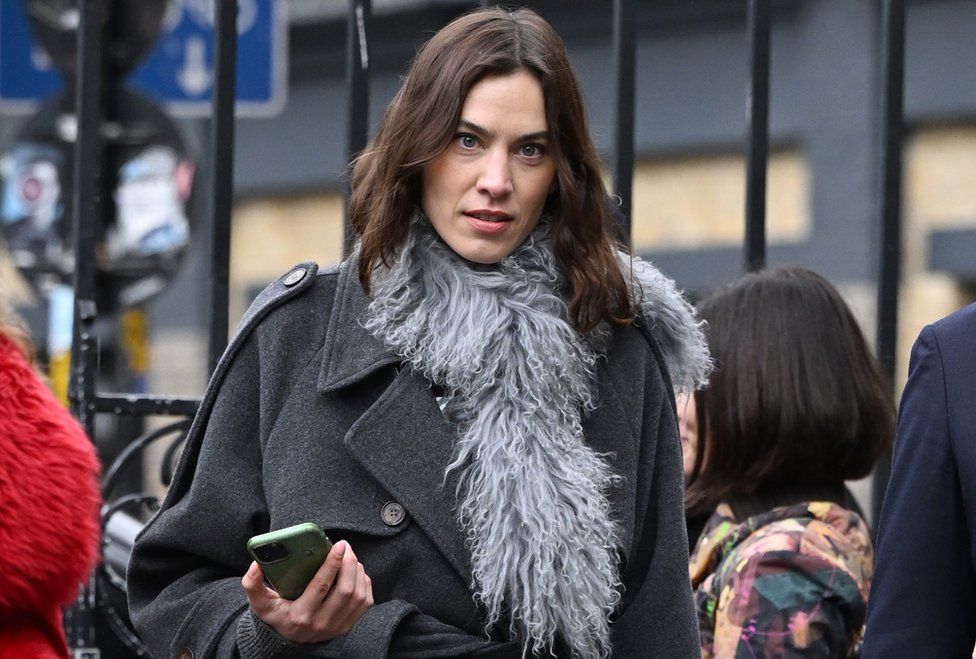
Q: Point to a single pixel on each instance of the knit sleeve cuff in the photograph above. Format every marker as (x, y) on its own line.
(258, 640)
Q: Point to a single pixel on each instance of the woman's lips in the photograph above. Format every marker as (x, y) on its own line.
(488, 222)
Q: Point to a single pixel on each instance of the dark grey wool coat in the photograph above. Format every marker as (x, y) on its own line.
(310, 418)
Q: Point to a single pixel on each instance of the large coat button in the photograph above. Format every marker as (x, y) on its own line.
(185, 653)
(393, 514)
(295, 276)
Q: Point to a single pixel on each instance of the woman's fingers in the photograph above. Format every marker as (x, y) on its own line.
(345, 582)
(321, 584)
(338, 595)
(356, 604)
(260, 596)
(369, 592)
(338, 603)
(364, 595)
(364, 592)
(361, 590)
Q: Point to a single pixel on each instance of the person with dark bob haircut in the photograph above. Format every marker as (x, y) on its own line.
(796, 406)
(476, 406)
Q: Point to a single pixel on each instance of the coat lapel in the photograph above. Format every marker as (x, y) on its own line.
(350, 353)
(405, 442)
(403, 439)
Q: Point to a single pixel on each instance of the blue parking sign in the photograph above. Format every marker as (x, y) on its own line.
(27, 74)
(178, 71)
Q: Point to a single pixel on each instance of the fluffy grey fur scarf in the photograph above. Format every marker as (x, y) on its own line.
(532, 496)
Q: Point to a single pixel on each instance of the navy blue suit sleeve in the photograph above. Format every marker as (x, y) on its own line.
(922, 599)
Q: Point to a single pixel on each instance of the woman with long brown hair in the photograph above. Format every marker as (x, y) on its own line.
(476, 407)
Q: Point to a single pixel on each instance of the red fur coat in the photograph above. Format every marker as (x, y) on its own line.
(48, 511)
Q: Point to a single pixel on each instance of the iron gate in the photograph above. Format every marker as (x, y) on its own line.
(90, 178)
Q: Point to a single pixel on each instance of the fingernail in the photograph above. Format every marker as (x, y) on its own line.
(341, 548)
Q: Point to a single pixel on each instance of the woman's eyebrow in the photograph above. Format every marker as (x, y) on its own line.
(490, 134)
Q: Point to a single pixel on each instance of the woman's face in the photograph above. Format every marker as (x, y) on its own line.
(486, 192)
(688, 430)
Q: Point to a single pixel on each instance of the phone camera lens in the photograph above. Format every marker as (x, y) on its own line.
(271, 552)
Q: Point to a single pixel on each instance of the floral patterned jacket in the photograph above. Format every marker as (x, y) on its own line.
(790, 582)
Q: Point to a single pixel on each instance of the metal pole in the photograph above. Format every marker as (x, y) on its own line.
(88, 203)
(757, 120)
(357, 82)
(889, 272)
(624, 49)
(222, 166)
(79, 619)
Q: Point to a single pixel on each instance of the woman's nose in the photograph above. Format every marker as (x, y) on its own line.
(496, 176)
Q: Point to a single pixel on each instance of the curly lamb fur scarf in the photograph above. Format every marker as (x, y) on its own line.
(517, 376)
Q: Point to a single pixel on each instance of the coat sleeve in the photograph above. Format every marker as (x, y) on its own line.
(184, 576)
(658, 618)
(923, 601)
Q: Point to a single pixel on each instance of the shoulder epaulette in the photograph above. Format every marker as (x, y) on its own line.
(291, 284)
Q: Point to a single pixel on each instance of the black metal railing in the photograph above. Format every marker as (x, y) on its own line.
(90, 197)
(892, 13)
(104, 592)
(889, 208)
(625, 62)
(88, 201)
(357, 82)
(757, 146)
(222, 166)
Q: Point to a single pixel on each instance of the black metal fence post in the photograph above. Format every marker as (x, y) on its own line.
(357, 83)
(222, 166)
(79, 619)
(757, 118)
(624, 56)
(88, 203)
(889, 268)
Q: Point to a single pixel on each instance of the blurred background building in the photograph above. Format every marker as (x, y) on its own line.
(689, 182)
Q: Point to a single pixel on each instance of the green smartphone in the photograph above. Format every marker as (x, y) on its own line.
(290, 557)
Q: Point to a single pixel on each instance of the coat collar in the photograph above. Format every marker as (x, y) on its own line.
(350, 353)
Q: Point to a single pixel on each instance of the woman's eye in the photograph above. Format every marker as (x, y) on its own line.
(531, 150)
(467, 141)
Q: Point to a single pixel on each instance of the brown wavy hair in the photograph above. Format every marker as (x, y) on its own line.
(796, 398)
(422, 119)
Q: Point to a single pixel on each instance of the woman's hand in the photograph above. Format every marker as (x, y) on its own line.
(338, 595)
